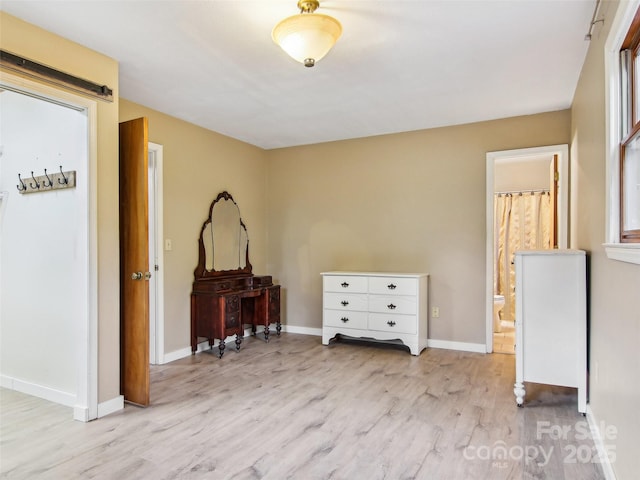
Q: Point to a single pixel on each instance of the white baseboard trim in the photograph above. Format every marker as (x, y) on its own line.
(446, 344)
(80, 413)
(110, 406)
(317, 332)
(462, 346)
(178, 354)
(202, 346)
(601, 447)
(40, 391)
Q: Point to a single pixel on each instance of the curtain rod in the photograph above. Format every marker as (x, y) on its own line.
(516, 192)
(593, 21)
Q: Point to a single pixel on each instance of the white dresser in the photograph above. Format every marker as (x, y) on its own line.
(551, 321)
(379, 306)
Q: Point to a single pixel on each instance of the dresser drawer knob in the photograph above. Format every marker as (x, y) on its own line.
(344, 303)
(344, 284)
(391, 286)
(391, 323)
(344, 319)
(391, 306)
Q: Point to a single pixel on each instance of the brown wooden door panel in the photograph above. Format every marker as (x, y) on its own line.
(134, 258)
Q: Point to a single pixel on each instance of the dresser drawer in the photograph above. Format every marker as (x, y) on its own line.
(392, 305)
(393, 285)
(345, 283)
(393, 323)
(335, 318)
(345, 301)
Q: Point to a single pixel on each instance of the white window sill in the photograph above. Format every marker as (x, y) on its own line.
(623, 252)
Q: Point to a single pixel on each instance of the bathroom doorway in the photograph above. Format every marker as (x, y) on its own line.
(520, 184)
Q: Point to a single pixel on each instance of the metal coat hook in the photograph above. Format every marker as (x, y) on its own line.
(37, 185)
(66, 180)
(48, 179)
(22, 187)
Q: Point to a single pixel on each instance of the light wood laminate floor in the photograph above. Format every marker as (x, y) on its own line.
(294, 409)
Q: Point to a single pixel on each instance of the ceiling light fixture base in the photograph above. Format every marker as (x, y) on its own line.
(308, 6)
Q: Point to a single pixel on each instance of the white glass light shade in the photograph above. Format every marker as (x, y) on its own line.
(307, 37)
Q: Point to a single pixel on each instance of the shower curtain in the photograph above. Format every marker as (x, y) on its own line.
(522, 222)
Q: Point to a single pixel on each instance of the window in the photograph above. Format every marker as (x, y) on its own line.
(630, 130)
(622, 139)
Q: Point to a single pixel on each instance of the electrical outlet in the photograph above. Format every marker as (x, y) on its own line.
(435, 312)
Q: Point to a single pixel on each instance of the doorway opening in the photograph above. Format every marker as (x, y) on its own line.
(543, 171)
(156, 257)
(49, 127)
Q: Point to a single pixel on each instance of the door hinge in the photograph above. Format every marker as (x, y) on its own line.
(556, 176)
(156, 268)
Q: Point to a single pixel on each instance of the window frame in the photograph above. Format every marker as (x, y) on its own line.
(614, 248)
(630, 114)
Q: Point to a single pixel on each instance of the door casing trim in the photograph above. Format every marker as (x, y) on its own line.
(563, 213)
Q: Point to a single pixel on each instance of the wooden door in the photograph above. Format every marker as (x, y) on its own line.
(134, 262)
(554, 177)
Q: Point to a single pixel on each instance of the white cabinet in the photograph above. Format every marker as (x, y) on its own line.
(379, 306)
(551, 321)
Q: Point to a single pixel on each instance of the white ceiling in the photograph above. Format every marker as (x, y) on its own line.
(400, 65)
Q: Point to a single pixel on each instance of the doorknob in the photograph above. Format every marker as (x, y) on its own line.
(136, 276)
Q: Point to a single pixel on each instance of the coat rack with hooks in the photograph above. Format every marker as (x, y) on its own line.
(47, 182)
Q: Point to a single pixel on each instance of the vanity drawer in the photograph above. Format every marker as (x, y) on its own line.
(345, 283)
(393, 323)
(392, 305)
(393, 286)
(345, 301)
(335, 318)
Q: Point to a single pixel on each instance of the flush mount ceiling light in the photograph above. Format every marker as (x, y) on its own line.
(309, 36)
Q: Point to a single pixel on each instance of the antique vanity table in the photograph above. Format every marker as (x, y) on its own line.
(226, 295)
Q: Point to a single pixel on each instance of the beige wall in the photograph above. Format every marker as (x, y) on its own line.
(36, 44)
(198, 164)
(614, 301)
(521, 175)
(411, 202)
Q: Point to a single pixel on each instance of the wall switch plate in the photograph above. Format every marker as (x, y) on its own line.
(435, 312)
(168, 245)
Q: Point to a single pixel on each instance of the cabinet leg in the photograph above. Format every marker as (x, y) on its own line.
(221, 347)
(278, 328)
(519, 392)
(266, 332)
(238, 342)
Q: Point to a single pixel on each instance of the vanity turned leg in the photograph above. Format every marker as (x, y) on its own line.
(278, 328)
(238, 342)
(519, 392)
(221, 347)
(266, 332)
